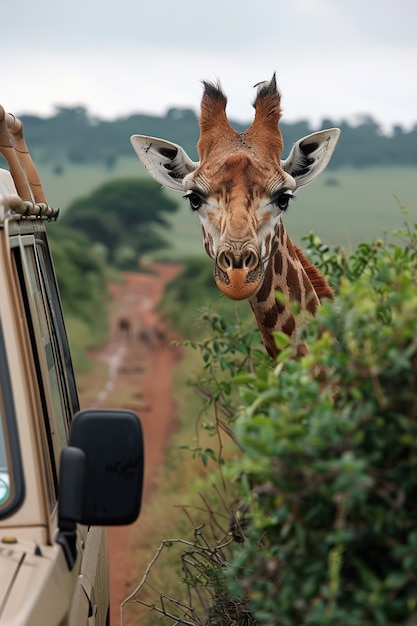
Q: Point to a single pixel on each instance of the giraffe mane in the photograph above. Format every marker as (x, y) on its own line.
(318, 281)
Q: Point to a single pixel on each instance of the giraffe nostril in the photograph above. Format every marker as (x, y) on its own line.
(250, 260)
(225, 260)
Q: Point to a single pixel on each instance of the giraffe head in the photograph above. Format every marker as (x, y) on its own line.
(241, 186)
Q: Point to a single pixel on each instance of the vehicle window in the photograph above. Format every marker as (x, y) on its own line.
(46, 337)
(64, 361)
(50, 348)
(11, 476)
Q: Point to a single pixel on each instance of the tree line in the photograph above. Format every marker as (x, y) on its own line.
(73, 135)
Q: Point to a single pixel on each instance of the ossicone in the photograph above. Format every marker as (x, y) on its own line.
(213, 106)
(267, 103)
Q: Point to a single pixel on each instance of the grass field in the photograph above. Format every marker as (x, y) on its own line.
(343, 207)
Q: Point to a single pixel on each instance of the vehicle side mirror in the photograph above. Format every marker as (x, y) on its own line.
(112, 443)
(101, 473)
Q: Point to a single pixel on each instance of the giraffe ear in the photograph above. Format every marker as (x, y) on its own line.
(166, 162)
(310, 156)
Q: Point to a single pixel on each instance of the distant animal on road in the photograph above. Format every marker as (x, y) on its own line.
(153, 337)
(123, 327)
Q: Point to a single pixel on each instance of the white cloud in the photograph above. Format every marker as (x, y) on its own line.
(332, 59)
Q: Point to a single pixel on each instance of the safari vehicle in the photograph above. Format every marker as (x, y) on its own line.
(64, 473)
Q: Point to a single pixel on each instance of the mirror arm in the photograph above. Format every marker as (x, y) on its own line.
(71, 479)
(67, 539)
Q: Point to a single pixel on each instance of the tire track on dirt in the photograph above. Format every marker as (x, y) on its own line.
(137, 375)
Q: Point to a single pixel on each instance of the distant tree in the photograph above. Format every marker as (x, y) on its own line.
(331, 181)
(111, 161)
(181, 114)
(293, 132)
(89, 220)
(398, 130)
(76, 156)
(121, 215)
(72, 115)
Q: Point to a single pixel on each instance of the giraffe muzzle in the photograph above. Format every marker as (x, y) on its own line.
(238, 275)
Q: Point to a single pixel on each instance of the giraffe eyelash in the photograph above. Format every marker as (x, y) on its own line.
(194, 199)
(282, 199)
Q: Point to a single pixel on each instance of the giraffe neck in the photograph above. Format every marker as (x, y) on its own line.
(298, 285)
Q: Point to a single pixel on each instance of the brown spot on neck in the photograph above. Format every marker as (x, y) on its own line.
(278, 265)
(266, 286)
(293, 282)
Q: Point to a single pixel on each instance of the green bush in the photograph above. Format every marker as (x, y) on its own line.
(332, 538)
(325, 456)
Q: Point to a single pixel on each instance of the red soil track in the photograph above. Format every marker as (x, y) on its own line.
(137, 375)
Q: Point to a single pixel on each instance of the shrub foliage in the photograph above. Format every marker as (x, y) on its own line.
(326, 452)
(334, 435)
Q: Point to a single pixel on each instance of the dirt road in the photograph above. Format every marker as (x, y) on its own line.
(134, 370)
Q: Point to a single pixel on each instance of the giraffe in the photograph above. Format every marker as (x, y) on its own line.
(240, 189)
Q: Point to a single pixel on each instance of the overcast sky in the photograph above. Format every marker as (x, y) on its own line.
(333, 58)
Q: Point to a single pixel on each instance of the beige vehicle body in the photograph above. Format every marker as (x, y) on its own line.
(58, 487)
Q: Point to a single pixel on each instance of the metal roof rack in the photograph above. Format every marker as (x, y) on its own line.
(30, 199)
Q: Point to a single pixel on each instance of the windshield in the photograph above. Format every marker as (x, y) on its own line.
(11, 481)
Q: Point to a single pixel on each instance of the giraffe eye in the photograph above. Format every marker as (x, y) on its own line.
(194, 199)
(282, 200)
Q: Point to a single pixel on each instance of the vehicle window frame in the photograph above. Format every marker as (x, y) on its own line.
(10, 429)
